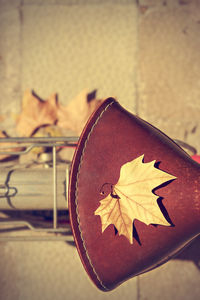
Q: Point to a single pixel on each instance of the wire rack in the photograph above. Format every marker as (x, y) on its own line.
(39, 227)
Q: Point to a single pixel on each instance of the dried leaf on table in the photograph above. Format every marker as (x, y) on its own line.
(36, 113)
(132, 198)
(76, 113)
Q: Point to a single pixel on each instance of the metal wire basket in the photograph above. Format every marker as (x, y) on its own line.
(34, 200)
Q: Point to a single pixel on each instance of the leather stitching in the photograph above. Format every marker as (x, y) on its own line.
(76, 194)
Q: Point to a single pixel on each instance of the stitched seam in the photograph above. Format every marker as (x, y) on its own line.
(76, 194)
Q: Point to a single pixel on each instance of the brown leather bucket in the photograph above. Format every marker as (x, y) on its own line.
(111, 138)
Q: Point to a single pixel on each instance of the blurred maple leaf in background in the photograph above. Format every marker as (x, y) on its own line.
(75, 115)
(38, 113)
(40, 118)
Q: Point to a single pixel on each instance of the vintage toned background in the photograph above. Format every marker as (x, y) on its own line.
(147, 55)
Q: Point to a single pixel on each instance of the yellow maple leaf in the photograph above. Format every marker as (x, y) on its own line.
(132, 198)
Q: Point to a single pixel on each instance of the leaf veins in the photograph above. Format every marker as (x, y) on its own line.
(132, 198)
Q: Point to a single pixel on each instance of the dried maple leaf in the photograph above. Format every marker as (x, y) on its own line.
(132, 198)
(75, 114)
(36, 113)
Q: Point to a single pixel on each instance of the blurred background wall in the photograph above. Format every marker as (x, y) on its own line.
(144, 53)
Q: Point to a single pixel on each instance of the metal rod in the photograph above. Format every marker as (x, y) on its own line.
(32, 188)
(34, 238)
(54, 189)
(31, 227)
(70, 139)
(29, 148)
